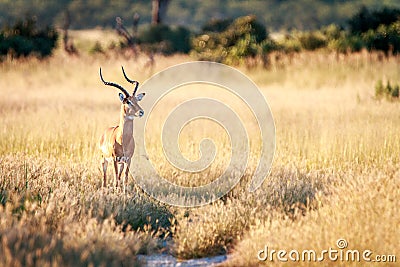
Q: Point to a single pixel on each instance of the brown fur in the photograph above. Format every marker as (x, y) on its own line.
(117, 143)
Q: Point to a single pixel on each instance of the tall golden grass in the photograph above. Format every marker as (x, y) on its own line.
(335, 174)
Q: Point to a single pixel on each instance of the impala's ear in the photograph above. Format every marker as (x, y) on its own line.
(140, 96)
(121, 97)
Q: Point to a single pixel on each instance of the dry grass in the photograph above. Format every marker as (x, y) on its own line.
(335, 172)
(329, 125)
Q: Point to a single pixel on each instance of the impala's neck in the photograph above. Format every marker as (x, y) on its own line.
(126, 127)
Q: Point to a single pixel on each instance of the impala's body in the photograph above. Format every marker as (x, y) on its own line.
(117, 143)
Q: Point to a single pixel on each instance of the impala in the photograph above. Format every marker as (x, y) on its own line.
(117, 143)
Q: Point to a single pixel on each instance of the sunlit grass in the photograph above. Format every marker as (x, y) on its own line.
(335, 173)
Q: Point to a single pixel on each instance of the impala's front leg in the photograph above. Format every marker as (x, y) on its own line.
(127, 164)
(121, 169)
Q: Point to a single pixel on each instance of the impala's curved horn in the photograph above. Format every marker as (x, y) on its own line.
(126, 77)
(114, 85)
(131, 81)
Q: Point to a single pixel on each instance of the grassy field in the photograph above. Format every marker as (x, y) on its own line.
(335, 173)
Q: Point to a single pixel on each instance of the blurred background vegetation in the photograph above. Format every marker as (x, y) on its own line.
(274, 14)
(232, 32)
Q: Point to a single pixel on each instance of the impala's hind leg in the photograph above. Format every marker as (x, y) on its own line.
(104, 164)
(116, 173)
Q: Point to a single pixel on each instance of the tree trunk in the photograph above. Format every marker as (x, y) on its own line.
(68, 45)
(159, 10)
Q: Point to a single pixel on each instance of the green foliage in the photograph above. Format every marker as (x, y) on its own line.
(243, 38)
(377, 29)
(331, 37)
(246, 27)
(385, 38)
(332, 32)
(306, 40)
(165, 39)
(24, 39)
(46, 12)
(97, 48)
(366, 20)
(386, 90)
(289, 44)
(339, 40)
(276, 15)
(269, 45)
(312, 40)
(373, 30)
(223, 40)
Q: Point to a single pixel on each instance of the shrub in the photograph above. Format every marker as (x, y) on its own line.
(165, 39)
(97, 48)
(346, 43)
(269, 45)
(366, 20)
(354, 43)
(312, 40)
(247, 25)
(384, 38)
(290, 44)
(308, 40)
(24, 38)
(240, 39)
(378, 30)
(387, 90)
(333, 32)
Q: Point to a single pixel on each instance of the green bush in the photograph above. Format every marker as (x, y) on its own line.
(308, 40)
(165, 39)
(346, 43)
(24, 39)
(289, 44)
(333, 32)
(312, 40)
(269, 45)
(385, 38)
(366, 20)
(97, 48)
(242, 38)
(354, 43)
(386, 90)
(376, 30)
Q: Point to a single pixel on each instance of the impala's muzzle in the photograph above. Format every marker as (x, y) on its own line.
(139, 114)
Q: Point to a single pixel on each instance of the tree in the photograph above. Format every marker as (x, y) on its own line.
(365, 19)
(24, 38)
(159, 10)
(68, 44)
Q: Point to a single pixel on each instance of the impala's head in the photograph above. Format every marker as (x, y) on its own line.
(130, 105)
